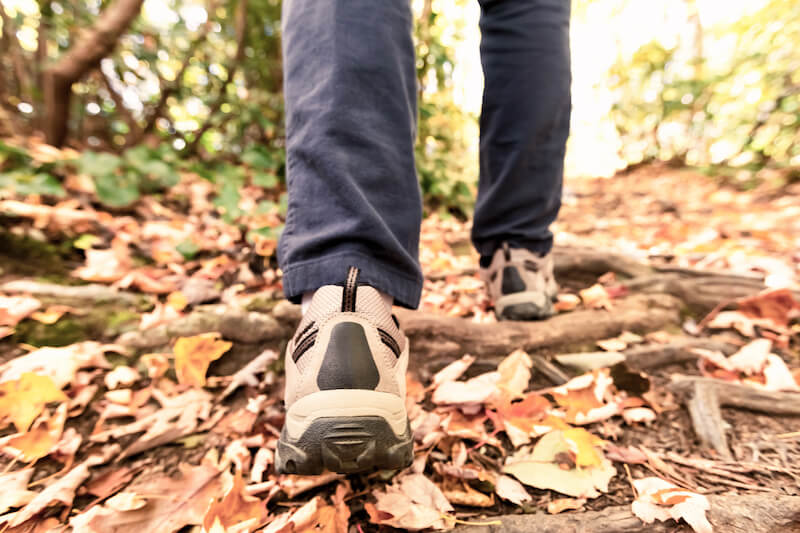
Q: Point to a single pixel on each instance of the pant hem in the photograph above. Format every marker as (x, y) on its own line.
(332, 270)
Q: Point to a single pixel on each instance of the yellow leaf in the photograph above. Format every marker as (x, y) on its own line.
(23, 399)
(177, 300)
(194, 354)
(42, 438)
(584, 445)
(235, 507)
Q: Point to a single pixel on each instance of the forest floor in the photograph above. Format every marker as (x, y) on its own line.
(141, 376)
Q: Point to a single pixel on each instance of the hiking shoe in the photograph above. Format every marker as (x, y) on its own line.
(345, 386)
(520, 284)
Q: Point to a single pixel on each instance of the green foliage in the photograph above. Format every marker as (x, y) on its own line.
(25, 182)
(737, 109)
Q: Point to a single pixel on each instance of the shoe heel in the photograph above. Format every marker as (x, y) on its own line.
(345, 445)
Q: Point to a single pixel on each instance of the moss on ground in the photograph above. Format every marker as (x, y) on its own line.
(101, 323)
(27, 257)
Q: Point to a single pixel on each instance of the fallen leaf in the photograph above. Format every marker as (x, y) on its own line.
(661, 500)
(193, 355)
(565, 504)
(15, 491)
(190, 494)
(235, 508)
(566, 302)
(40, 440)
(596, 297)
(751, 358)
(24, 399)
(460, 493)
(60, 364)
(638, 414)
(178, 417)
(411, 502)
(15, 308)
(476, 391)
(515, 374)
(156, 364)
(248, 374)
(551, 465)
(512, 490)
(777, 375)
(63, 490)
(294, 485)
(586, 397)
(778, 306)
(453, 371)
(121, 375)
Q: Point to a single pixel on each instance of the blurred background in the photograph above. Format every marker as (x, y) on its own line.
(144, 91)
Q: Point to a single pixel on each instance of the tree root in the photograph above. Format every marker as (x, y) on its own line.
(79, 293)
(704, 398)
(234, 324)
(438, 339)
(739, 513)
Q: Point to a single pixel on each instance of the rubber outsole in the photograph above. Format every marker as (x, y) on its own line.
(344, 445)
(525, 311)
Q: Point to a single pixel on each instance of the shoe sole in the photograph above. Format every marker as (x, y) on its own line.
(355, 431)
(528, 305)
(344, 445)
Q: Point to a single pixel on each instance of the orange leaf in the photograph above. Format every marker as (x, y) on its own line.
(41, 439)
(235, 507)
(194, 354)
(23, 399)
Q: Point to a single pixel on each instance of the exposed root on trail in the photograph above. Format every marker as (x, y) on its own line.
(704, 398)
(742, 513)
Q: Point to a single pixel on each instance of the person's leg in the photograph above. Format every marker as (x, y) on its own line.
(350, 92)
(524, 123)
(352, 230)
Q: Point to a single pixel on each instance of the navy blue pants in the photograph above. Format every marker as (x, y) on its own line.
(350, 89)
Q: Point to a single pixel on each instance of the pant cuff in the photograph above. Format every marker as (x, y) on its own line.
(332, 270)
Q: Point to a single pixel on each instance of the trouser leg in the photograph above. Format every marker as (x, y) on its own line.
(354, 199)
(524, 122)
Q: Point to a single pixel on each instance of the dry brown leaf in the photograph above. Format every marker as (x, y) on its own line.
(194, 354)
(778, 305)
(512, 490)
(156, 364)
(475, 391)
(179, 416)
(661, 500)
(526, 419)
(565, 504)
(460, 493)
(453, 371)
(235, 508)
(109, 481)
(552, 464)
(515, 374)
(52, 314)
(40, 440)
(294, 485)
(587, 398)
(15, 308)
(60, 364)
(596, 297)
(107, 265)
(411, 502)
(189, 496)
(15, 491)
(248, 374)
(121, 375)
(24, 399)
(63, 490)
(566, 302)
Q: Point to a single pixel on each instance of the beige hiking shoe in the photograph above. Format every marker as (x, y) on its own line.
(520, 284)
(345, 386)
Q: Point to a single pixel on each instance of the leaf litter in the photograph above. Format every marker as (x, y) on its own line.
(486, 443)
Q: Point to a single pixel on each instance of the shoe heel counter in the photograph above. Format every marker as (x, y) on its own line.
(348, 361)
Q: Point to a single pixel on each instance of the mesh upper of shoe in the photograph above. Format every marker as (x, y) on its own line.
(369, 306)
(539, 278)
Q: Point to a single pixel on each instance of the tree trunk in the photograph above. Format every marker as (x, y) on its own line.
(97, 43)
